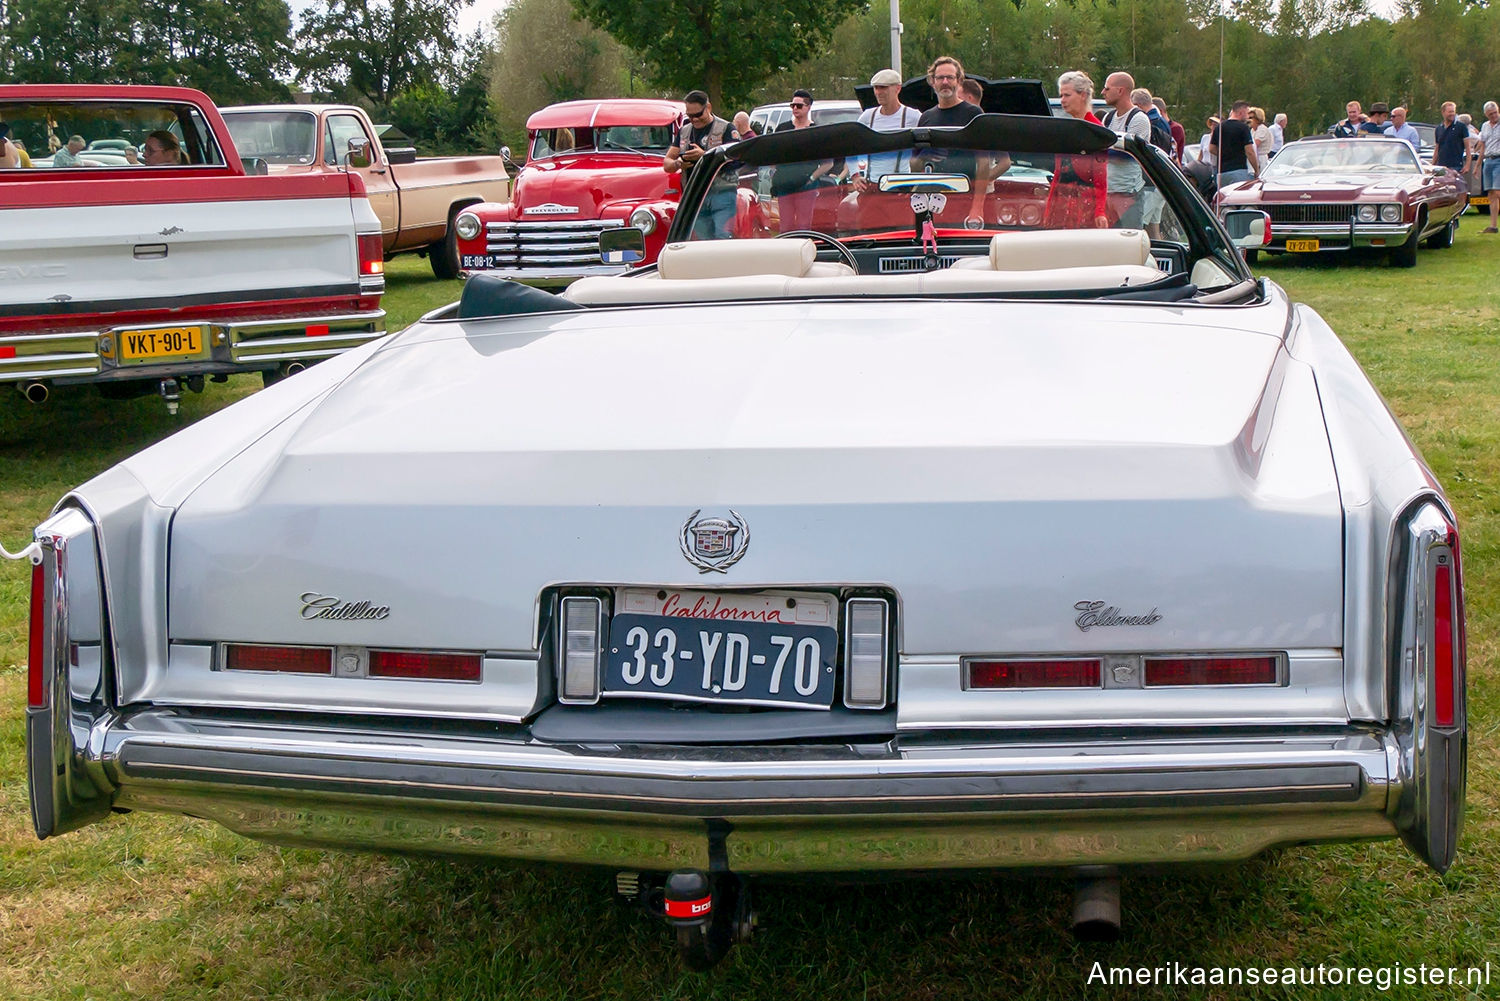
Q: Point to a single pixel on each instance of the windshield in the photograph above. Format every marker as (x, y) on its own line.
(274, 136)
(1333, 156)
(915, 194)
(652, 139)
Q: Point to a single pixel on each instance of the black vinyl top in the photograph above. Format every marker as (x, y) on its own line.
(1012, 133)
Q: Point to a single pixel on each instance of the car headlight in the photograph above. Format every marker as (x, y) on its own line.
(1366, 213)
(644, 220)
(467, 225)
(1390, 213)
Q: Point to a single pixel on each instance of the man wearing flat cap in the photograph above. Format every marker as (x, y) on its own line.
(888, 115)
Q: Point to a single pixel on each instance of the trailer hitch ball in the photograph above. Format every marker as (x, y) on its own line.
(708, 913)
(171, 392)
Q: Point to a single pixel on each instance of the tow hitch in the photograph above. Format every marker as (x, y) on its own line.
(709, 912)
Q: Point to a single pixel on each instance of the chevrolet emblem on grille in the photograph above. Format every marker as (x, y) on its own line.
(552, 208)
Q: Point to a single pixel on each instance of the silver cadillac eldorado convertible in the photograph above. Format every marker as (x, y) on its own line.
(973, 523)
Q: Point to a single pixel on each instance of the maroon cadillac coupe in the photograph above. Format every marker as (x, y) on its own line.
(1327, 194)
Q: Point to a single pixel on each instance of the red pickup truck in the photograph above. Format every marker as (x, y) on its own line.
(141, 253)
(415, 197)
(590, 165)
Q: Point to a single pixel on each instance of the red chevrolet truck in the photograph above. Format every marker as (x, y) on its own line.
(590, 165)
(170, 259)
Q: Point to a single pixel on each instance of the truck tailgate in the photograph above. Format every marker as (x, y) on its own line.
(81, 246)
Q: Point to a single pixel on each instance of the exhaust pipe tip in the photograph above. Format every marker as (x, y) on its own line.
(292, 367)
(35, 392)
(1096, 905)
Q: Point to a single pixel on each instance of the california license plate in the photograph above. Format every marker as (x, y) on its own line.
(769, 649)
(1302, 246)
(161, 344)
(476, 262)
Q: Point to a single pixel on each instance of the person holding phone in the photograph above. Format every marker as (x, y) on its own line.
(700, 132)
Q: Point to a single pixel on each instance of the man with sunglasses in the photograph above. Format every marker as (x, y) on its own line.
(701, 131)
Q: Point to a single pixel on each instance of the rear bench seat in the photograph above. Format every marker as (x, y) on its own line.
(1053, 260)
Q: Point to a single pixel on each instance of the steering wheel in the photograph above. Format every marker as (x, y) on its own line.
(845, 254)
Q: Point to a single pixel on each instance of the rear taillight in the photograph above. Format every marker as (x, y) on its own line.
(371, 254)
(425, 666)
(36, 648)
(1034, 673)
(866, 652)
(1447, 639)
(580, 650)
(1163, 671)
(287, 659)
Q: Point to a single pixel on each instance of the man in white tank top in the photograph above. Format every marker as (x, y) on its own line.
(889, 115)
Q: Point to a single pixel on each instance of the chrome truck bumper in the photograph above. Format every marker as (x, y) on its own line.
(907, 804)
(98, 355)
(1340, 236)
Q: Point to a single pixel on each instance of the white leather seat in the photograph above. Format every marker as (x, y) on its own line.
(1045, 250)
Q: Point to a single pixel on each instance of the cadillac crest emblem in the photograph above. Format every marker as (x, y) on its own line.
(713, 545)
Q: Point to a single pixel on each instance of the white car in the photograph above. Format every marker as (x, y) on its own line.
(1064, 546)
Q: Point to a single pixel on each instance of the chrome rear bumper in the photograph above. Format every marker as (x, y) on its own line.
(911, 803)
(229, 346)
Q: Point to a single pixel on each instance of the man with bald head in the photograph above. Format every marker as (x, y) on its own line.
(1126, 183)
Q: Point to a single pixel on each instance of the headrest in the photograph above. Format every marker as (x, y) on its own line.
(736, 258)
(1069, 248)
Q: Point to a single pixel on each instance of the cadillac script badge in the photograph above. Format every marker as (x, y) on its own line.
(1098, 614)
(715, 544)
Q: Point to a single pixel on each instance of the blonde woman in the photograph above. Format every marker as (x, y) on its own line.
(1264, 140)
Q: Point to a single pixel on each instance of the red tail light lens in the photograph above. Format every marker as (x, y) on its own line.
(429, 666)
(371, 254)
(292, 659)
(1034, 673)
(36, 646)
(1211, 671)
(1445, 671)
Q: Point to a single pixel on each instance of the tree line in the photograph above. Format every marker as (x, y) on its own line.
(406, 61)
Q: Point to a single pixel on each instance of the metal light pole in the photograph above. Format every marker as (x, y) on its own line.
(896, 35)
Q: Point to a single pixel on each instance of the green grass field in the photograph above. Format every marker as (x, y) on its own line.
(171, 908)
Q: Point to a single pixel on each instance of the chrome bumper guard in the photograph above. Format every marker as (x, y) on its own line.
(550, 277)
(911, 803)
(245, 346)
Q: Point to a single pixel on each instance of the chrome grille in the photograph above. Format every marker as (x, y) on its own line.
(1339, 212)
(902, 265)
(550, 244)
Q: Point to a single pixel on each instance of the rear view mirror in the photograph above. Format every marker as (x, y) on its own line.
(1248, 227)
(358, 156)
(622, 245)
(925, 184)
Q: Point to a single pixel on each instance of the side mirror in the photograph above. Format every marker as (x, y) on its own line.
(622, 245)
(1248, 228)
(505, 152)
(358, 156)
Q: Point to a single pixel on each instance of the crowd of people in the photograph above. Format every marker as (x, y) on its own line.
(1086, 191)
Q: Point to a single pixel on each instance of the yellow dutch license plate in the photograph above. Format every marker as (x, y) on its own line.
(1302, 246)
(160, 344)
